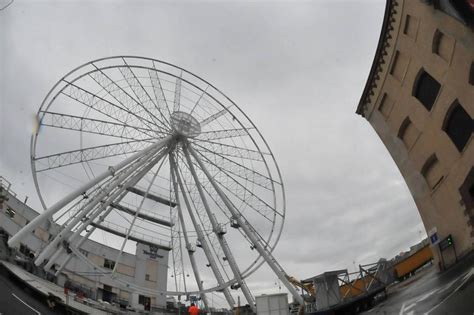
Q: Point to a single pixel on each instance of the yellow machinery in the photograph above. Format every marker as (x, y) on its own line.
(308, 287)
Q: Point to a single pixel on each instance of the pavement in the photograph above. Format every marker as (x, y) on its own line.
(18, 298)
(24, 293)
(432, 293)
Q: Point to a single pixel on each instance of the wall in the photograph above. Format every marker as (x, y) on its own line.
(417, 36)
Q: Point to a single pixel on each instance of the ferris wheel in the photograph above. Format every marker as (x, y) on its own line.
(135, 150)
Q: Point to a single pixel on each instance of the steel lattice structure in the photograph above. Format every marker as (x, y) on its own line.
(149, 149)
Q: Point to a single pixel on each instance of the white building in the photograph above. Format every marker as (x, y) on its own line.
(147, 268)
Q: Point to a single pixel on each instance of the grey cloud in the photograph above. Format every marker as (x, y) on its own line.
(296, 68)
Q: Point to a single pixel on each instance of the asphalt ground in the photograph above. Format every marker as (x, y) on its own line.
(433, 293)
(17, 298)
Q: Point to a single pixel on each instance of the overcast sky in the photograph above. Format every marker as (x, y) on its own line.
(296, 68)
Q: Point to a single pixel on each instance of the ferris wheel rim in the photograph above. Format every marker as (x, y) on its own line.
(253, 266)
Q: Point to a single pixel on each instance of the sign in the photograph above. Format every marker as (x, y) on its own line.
(447, 242)
(434, 239)
(153, 253)
(433, 234)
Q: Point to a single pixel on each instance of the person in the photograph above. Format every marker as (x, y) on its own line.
(193, 309)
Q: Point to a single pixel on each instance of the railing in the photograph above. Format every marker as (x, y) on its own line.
(6, 184)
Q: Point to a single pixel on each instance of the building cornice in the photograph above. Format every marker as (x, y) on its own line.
(380, 56)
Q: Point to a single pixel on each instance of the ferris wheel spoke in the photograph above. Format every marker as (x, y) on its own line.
(238, 169)
(195, 199)
(213, 117)
(200, 98)
(176, 252)
(218, 231)
(209, 233)
(160, 96)
(122, 97)
(177, 93)
(220, 204)
(253, 197)
(103, 106)
(140, 92)
(89, 154)
(223, 134)
(204, 242)
(265, 252)
(230, 189)
(201, 236)
(230, 150)
(95, 126)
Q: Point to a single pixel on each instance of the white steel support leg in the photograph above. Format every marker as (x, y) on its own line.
(223, 243)
(115, 197)
(189, 247)
(47, 251)
(37, 221)
(137, 211)
(249, 231)
(205, 245)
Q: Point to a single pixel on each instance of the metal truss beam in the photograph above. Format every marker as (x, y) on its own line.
(151, 196)
(89, 154)
(95, 126)
(142, 215)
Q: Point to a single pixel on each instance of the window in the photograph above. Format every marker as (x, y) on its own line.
(443, 45)
(110, 264)
(84, 252)
(458, 125)
(107, 288)
(399, 66)
(408, 133)
(471, 74)
(144, 300)
(467, 190)
(386, 105)
(432, 172)
(411, 26)
(147, 277)
(426, 89)
(10, 212)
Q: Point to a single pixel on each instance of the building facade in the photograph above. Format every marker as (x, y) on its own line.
(148, 268)
(419, 98)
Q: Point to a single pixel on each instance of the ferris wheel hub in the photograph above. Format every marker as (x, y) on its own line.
(185, 124)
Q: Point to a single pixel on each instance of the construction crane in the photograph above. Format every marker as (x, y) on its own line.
(308, 287)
